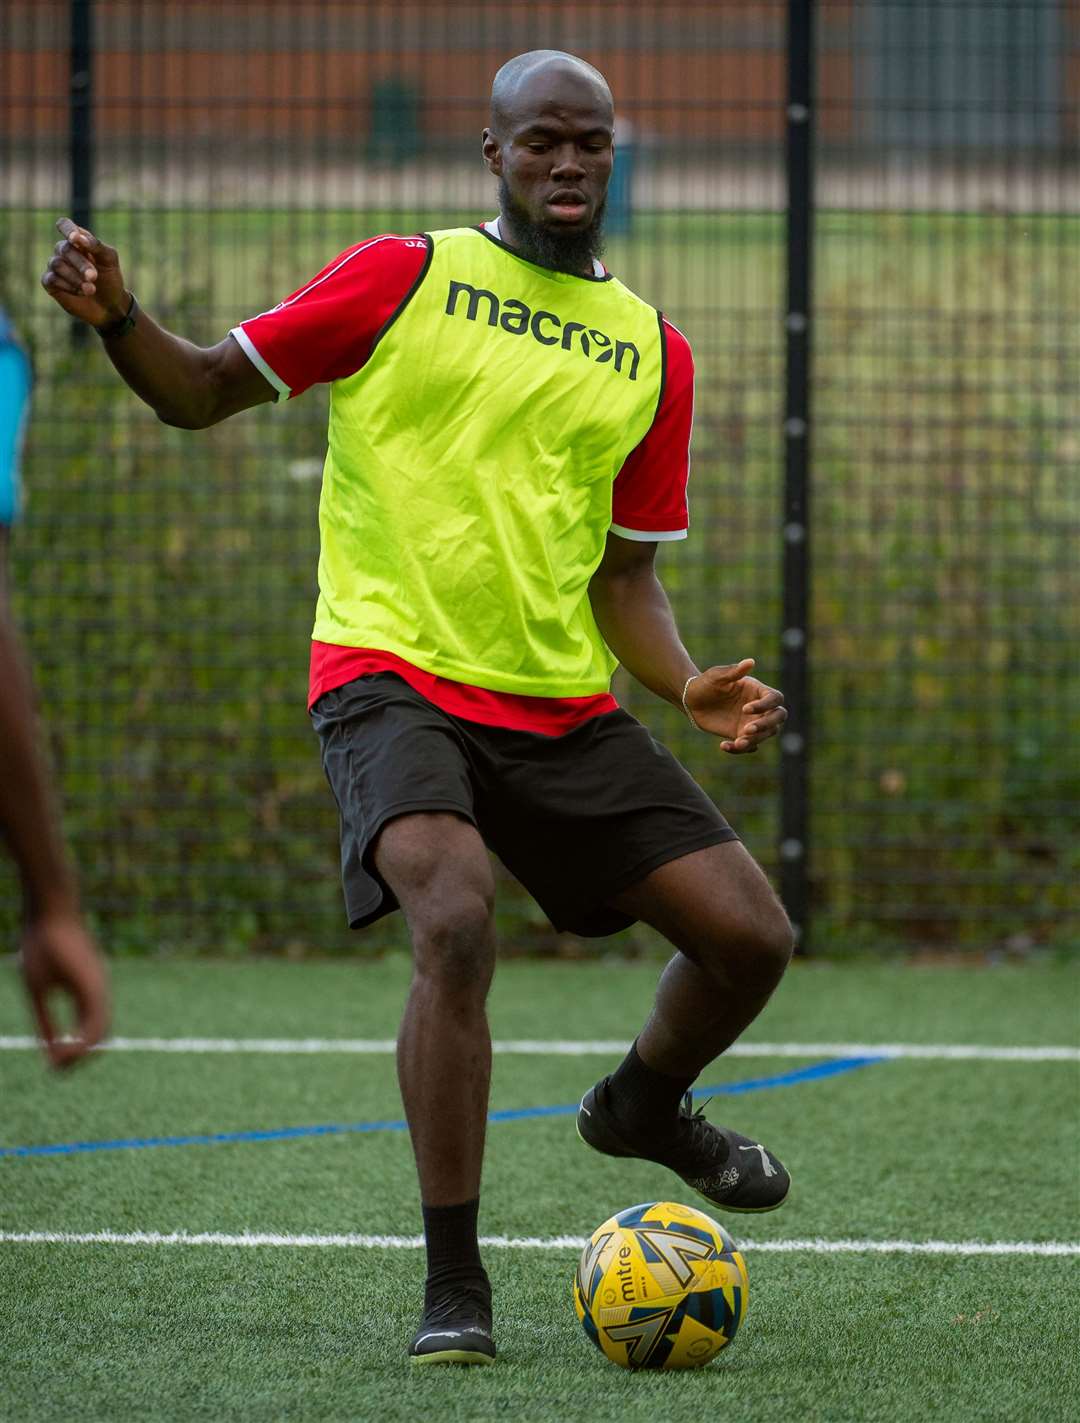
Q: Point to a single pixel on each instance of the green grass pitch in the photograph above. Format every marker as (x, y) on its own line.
(906, 1150)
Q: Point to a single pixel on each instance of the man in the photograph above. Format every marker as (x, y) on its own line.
(507, 447)
(57, 952)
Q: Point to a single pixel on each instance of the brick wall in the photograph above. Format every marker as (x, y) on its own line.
(694, 71)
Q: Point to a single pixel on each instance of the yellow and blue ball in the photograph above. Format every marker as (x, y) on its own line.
(660, 1286)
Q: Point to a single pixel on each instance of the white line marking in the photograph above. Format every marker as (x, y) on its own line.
(932, 1052)
(816, 1246)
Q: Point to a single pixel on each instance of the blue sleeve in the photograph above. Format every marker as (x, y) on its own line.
(14, 408)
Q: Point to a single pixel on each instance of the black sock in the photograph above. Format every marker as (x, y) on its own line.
(453, 1252)
(643, 1100)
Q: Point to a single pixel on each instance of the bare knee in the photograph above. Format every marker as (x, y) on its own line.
(454, 943)
(772, 942)
(440, 872)
(756, 929)
(754, 948)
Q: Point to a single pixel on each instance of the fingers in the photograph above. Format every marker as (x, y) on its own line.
(70, 271)
(67, 1053)
(767, 725)
(756, 720)
(91, 1025)
(733, 673)
(62, 275)
(724, 675)
(92, 1004)
(760, 729)
(39, 1005)
(83, 980)
(767, 716)
(61, 1051)
(82, 271)
(766, 703)
(59, 957)
(72, 232)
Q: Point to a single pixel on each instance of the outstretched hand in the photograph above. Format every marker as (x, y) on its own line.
(58, 955)
(84, 277)
(729, 703)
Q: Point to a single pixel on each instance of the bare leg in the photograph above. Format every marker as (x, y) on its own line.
(439, 870)
(437, 866)
(733, 942)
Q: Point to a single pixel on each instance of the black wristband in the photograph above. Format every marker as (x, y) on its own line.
(122, 325)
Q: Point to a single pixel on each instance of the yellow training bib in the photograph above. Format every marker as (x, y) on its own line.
(467, 491)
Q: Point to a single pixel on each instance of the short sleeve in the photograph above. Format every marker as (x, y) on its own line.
(649, 497)
(328, 329)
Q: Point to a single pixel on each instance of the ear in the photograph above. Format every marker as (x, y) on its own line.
(492, 153)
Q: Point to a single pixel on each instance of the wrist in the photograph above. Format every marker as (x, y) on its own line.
(54, 910)
(52, 892)
(120, 318)
(686, 705)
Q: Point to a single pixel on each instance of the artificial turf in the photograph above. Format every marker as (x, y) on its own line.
(909, 1149)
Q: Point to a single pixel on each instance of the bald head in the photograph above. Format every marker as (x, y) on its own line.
(527, 83)
(551, 146)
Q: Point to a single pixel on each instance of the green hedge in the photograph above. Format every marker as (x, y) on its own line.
(165, 581)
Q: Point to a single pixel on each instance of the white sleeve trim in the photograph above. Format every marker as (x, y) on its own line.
(646, 536)
(244, 341)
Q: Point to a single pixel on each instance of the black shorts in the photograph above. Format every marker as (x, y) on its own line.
(576, 818)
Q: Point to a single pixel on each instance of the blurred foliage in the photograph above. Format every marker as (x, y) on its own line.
(165, 581)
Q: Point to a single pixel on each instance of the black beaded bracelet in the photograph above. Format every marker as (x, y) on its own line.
(122, 325)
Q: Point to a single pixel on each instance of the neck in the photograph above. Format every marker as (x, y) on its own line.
(578, 263)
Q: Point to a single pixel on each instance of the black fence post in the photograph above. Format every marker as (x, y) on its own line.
(82, 133)
(795, 632)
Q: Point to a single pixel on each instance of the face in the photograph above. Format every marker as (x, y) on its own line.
(553, 156)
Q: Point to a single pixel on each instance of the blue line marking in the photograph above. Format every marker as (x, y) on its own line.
(139, 1143)
(832, 1068)
(515, 1114)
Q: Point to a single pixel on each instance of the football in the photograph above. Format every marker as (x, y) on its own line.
(660, 1286)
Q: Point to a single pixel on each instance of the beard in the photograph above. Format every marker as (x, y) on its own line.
(567, 250)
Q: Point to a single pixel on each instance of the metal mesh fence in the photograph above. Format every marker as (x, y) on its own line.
(945, 404)
(165, 580)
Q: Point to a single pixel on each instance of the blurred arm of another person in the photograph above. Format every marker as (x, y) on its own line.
(58, 954)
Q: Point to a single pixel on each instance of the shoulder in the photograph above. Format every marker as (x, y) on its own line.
(678, 357)
(327, 329)
(472, 233)
(477, 237)
(388, 256)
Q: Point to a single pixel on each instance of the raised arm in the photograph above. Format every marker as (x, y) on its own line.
(635, 620)
(184, 384)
